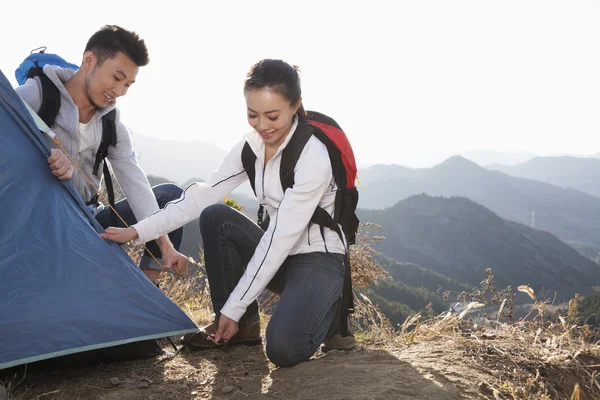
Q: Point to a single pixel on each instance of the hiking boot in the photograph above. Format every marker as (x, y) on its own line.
(338, 342)
(248, 334)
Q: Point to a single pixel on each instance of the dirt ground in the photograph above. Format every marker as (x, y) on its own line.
(372, 371)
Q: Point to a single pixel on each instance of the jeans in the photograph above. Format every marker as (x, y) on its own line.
(309, 285)
(164, 193)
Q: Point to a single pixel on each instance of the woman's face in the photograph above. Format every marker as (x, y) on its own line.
(270, 115)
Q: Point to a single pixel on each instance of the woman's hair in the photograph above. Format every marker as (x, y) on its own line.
(278, 76)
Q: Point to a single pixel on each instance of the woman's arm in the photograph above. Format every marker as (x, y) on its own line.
(188, 207)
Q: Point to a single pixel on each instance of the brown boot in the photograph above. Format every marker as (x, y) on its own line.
(336, 341)
(249, 335)
(339, 342)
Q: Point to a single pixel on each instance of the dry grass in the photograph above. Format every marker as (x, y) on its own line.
(365, 269)
(540, 356)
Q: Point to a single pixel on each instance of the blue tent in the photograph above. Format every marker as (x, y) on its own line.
(63, 289)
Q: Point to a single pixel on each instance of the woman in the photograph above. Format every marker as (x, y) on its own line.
(292, 258)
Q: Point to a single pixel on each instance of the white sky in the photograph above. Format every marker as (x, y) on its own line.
(411, 83)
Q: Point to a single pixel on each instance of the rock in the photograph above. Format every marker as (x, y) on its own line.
(227, 389)
(135, 381)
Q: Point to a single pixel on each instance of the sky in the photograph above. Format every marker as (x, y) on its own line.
(411, 82)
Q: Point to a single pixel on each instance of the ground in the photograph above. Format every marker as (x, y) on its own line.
(441, 367)
(371, 371)
(448, 356)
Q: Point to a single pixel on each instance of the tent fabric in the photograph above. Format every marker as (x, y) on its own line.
(63, 289)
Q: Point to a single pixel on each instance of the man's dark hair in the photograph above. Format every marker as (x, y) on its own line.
(112, 39)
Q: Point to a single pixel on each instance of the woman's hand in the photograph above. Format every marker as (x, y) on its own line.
(227, 330)
(174, 261)
(119, 235)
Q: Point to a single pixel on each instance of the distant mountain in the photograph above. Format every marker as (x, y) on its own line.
(382, 172)
(417, 276)
(571, 215)
(459, 239)
(177, 160)
(487, 157)
(569, 172)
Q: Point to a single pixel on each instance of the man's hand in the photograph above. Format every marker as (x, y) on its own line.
(60, 165)
(119, 235)
(227, 330)
(174, 261)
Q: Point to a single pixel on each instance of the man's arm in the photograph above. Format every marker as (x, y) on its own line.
(60, 165)
(31, 92)
(133, 180)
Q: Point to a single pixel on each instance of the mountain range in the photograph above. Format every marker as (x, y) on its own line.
(578, 173)
(568, 213)
(459, 239)
(446, 224)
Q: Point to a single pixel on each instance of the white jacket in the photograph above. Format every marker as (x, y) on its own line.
(288, 231)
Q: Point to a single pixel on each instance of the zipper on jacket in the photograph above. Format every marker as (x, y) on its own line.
(264, 171)
(263, 181)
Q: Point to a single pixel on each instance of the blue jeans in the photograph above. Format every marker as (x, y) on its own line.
(309, 285)
(164, 193)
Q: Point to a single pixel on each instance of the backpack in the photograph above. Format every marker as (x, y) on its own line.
(343, 166)
(32, 67)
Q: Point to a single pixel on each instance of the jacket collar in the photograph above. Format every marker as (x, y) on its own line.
(59, 75)
(258, 146)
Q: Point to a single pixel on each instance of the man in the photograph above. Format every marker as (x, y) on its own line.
(110, 64)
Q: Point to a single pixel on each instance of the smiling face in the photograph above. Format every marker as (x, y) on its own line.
(106, 81)
(270, 114)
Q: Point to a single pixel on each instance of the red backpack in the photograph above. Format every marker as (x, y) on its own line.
(343, 166)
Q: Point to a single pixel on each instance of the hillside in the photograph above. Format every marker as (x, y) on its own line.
(440, 358)
(399, 301)
(417, 276)
(571, 215)
(459, 238)
(486, 157)
(568, 172)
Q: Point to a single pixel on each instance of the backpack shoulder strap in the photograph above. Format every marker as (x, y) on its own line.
(322, 118)
(109, 138)
(291, 154)
(249, 163)
(50, 100)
